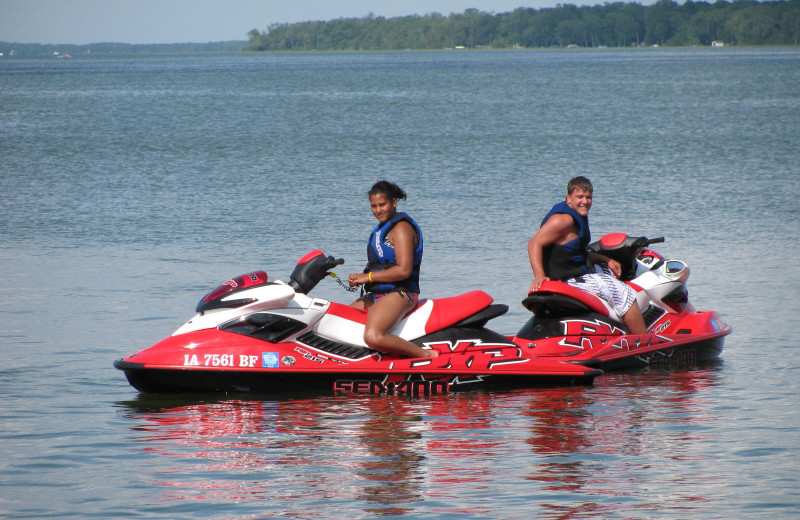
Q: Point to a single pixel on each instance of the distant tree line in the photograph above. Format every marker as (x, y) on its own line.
(618, 24)
(39, 50)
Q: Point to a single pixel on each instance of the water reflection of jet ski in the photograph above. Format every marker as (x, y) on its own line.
(571, 324)
(255, 335)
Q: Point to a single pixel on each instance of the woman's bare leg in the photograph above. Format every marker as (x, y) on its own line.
(382, 316)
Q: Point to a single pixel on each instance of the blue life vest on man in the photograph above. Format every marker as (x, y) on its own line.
(562, 261)
(380, 256)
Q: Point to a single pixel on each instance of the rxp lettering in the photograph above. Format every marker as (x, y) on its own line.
(581, 333)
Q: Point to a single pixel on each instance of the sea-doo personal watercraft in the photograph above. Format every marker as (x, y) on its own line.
(251, 334)
(571, 324)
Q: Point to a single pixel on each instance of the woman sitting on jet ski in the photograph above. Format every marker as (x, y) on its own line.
(391, 278)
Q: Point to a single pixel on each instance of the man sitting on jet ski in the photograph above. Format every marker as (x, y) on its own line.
(558, 252)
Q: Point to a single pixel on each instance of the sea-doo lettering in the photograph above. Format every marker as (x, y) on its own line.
(375, 387)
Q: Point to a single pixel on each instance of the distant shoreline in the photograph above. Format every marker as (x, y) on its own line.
(50, 51)
(64, 50)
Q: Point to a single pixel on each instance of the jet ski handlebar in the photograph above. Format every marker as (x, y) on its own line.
(332, 262)
(311, 269)
(624, 249)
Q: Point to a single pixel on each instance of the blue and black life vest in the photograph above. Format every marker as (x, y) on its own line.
(380, 256)
(562, 261)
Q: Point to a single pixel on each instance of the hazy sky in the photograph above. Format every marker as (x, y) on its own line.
(170, 21)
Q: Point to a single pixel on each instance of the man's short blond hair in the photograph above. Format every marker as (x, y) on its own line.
(579, 183)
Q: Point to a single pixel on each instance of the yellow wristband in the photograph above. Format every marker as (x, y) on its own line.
(369, 276)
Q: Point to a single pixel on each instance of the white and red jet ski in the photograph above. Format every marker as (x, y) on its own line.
(255, 335)
(571, 324)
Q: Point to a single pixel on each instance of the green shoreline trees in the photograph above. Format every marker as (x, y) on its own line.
(618, 24)
(615, 24)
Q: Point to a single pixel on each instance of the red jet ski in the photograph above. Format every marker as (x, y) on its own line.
(255, 335)
(571, 324)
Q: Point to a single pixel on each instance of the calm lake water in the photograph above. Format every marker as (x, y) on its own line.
(130, 186)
